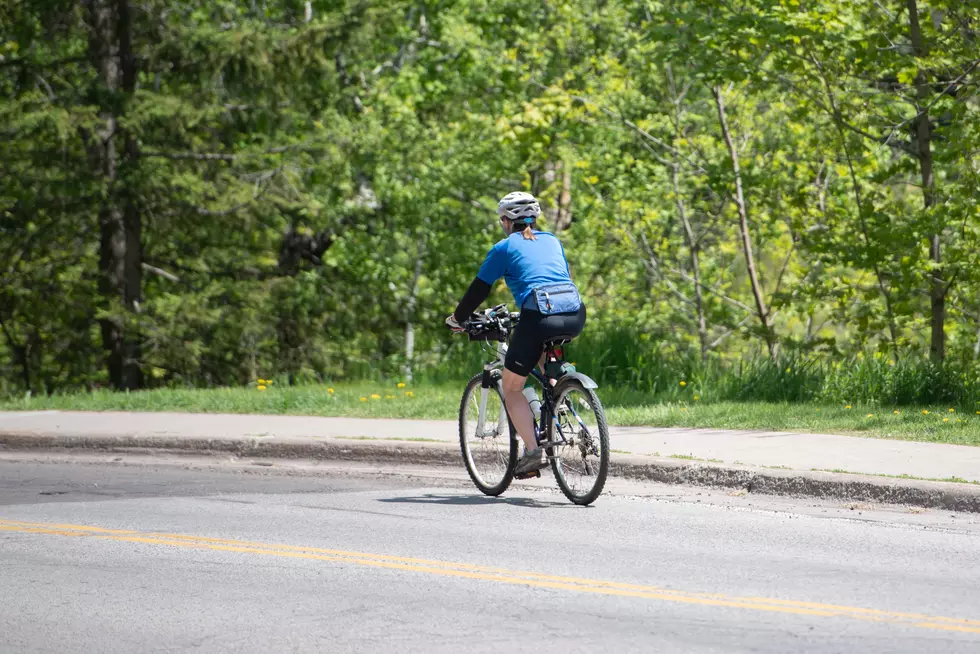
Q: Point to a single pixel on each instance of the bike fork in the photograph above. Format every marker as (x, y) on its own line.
(485, 387)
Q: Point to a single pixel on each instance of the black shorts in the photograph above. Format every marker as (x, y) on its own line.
(534, 328)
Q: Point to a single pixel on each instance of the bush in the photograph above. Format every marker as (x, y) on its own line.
(900, 382)
(636, 363)
(788, 379)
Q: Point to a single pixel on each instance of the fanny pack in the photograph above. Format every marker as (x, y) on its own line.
(557, 298)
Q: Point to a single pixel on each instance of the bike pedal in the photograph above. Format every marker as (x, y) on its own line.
(534, 474)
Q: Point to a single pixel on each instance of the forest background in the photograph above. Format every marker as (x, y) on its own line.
(768, 200)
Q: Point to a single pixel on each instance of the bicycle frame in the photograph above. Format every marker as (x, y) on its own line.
(548, 413)
(547, 403)
(577, 453)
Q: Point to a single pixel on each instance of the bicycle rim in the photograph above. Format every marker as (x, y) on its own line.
(581, 458)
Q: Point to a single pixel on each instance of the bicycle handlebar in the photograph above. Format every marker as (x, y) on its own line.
(491, 324)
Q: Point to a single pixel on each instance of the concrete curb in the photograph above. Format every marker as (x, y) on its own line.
(825, 485)
(798, 483)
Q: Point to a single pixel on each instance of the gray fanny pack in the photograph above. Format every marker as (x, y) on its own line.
(556, 298)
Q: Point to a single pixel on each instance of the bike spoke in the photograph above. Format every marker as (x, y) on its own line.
(490, 447)
(578, 459)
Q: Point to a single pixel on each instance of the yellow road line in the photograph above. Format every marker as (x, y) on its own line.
(500, 575)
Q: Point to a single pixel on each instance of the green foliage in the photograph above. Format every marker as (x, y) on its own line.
(874, 380)
(307, 183)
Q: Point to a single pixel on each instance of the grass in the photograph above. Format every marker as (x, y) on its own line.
(441, 401)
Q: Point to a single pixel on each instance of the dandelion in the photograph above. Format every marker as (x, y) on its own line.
(870, 415)
(269, 382)
(260, 387)
(375, 396)
(683, 383)
(389, 397)
(409, 394)
(945, 419)
(330, 391)
(789, 370)
(847, 406)
(259, 381)
(697, 398)
(952, 410)
(401, 384)
(925, 412)
(896, 412)
(363, 399)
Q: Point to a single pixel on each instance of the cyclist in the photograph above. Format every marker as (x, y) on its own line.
(534, 266)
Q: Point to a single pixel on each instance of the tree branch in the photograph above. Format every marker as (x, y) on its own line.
(221, 156)
(731, 330)
(24, 62)
(714, 291)
(160, 272)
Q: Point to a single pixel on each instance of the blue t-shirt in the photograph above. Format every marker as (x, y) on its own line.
(526, 264)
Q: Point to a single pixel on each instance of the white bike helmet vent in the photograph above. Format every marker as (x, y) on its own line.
(519, 206)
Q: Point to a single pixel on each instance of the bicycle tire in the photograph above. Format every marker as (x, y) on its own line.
(491, 487)
(586, 497)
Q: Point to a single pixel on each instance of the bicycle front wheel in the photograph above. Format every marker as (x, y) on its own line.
(486, 437)
(580, 456)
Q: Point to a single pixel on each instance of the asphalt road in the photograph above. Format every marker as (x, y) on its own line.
(113, 557)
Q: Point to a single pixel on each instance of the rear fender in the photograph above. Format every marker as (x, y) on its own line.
(585, 380)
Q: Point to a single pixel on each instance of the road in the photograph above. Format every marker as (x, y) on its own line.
(133, 555)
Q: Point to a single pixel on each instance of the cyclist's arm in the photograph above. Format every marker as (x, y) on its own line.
(478, 291)
(493, 268)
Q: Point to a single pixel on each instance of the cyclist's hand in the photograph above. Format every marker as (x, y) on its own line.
(453, 325)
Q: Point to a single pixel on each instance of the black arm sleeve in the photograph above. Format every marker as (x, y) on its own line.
(478, 291)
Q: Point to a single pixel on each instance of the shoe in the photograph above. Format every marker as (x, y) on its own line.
(531, 461)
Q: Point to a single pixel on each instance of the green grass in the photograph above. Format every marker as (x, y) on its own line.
(441, 401)
(432, 401)
(910, 423)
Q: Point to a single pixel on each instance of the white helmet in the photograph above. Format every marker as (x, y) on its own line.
(519, 206)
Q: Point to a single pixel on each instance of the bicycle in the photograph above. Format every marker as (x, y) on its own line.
(569, 422)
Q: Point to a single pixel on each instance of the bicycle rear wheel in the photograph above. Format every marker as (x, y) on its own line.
(489, 447)
(580, 459)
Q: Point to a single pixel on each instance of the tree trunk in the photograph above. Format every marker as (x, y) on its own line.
(20, 355)
(743, 222)
(976, 345)
(693, 248)
(559, 216)
(923, 139)
(120, 280)
(693, 243)
(410, 307)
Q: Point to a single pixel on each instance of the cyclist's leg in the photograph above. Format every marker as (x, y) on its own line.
(518, 408)
(570, 324)
(527, 349)
(524, 351)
